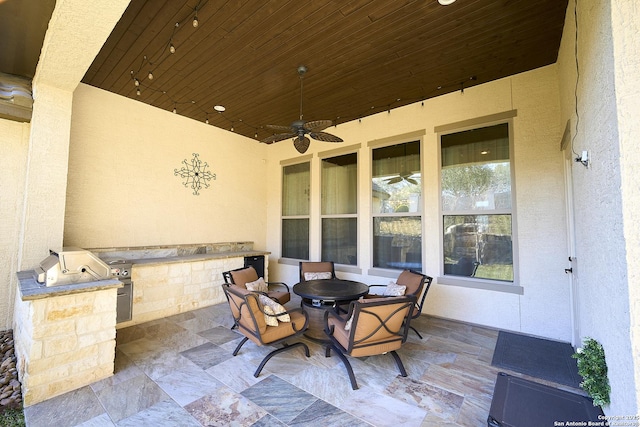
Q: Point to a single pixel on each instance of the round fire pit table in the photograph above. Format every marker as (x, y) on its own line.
(321, 295)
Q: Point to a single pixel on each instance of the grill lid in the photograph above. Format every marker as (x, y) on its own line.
(71, 265)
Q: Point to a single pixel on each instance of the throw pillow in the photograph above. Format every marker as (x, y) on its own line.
(347, 325)
(317, 276)
(276, 308)
(258, 286)
(269, 316)
(394, 290)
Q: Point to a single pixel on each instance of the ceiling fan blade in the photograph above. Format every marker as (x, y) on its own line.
(324, 136)
(280, 127)
(317, 125)
(277, 137)
(395, 180)
(301, 143)
(411, 181)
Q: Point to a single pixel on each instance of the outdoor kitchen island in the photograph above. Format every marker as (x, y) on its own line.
(169, 280)
(66, 340)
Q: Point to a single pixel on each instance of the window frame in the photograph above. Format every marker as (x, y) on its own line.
(332, 154)
(474, 282)
(386, 142)
(283, 165)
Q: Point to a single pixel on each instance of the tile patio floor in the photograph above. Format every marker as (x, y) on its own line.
(180, 371)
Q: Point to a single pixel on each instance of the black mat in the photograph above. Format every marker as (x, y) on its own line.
(522, 403)
(537, 357)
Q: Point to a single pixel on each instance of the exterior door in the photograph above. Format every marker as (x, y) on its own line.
(572, 262)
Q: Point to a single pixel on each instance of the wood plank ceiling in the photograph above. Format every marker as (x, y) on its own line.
(363, 56)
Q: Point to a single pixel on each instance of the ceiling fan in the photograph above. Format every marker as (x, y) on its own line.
(298, 129)
(404, 176)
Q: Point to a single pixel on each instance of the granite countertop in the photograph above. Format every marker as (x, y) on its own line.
(31, 289)
(191, 258)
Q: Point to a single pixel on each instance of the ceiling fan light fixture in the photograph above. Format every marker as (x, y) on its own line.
(219, 108)
(299, 128)
(446, 2)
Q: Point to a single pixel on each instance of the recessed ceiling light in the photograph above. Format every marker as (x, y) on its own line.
(219, 108)
(446, 2)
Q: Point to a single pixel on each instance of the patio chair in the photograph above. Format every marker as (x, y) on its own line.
(312, 270)
(374, 326)
(416, 284)
(249, 317)
(277, 291)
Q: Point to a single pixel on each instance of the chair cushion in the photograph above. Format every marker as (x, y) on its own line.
(394, 290)
(284, 329)
(283, 297)
(252, 306)
(258, 285)
(375, 344)
(275, 308)
(411, 280)
(241, 277)
(342, 336)
(318, 276)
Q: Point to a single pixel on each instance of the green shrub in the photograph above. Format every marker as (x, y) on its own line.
(12, 417)
(592, 367)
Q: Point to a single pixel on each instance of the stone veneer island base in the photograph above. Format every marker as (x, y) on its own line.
(64, 336)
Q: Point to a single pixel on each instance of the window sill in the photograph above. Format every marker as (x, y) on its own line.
(383, 272)
(487, 285)
(289, 261)
(339, 267)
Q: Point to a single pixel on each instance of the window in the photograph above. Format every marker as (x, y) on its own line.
(340, 209)
(396, 206)
(295, 211)
(476, 203)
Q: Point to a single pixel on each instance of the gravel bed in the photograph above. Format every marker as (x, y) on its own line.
(10, 391)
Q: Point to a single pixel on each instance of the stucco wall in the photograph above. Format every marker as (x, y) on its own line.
(122, 190)
(34, 180)
(544, 308)
(607, 191)
(14, 140)
(625, 16)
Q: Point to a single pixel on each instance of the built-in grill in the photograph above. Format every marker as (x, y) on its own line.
(121, 270)
(75, 265)
(71, 265)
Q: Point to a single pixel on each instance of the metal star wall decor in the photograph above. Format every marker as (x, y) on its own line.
(195, 174)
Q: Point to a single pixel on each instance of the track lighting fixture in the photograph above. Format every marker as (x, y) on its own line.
(154, 63)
